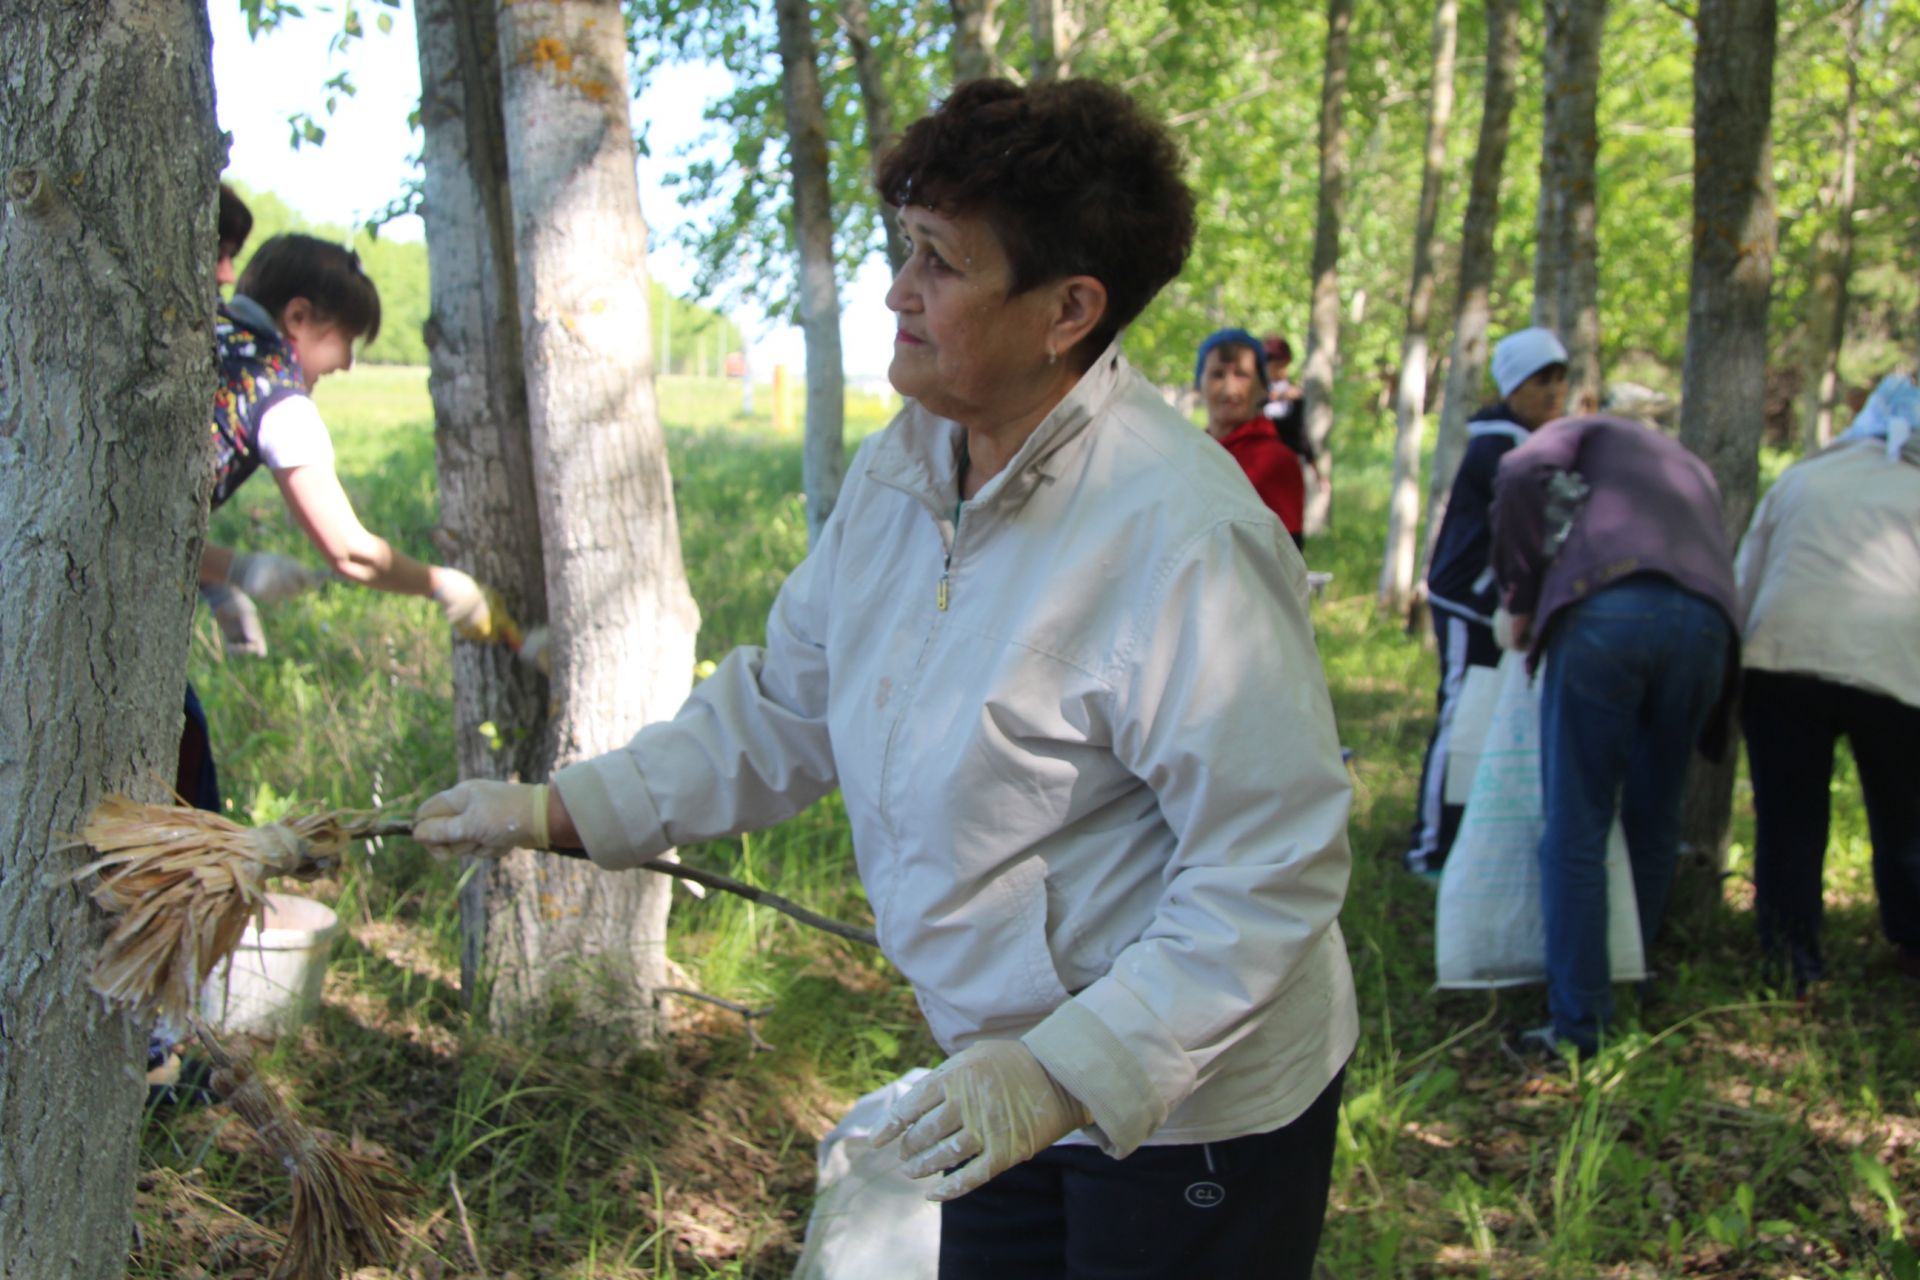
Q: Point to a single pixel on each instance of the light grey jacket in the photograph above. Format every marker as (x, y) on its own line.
(1829, 570)
(1086, 749)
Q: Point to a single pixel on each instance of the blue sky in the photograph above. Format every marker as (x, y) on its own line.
(368, 151)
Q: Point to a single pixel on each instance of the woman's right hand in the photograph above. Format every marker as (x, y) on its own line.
(483, 819)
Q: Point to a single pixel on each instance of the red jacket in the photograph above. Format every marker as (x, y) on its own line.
(1273, 468)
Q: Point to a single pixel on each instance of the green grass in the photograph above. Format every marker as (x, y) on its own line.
(1725, 1133)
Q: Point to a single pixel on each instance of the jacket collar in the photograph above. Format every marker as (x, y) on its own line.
(920, 453)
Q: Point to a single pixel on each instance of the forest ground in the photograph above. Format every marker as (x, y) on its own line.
(1728, 1132)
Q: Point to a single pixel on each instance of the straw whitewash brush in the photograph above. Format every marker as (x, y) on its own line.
(184, 882)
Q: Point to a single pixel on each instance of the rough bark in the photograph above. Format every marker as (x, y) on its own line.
(1403, 502)
(1566, 270)
(856, 23)
(1467, 367)
(1323, 321)
(1055, 26)
(623, 621)
(1827, 299)
(824, 460)
(976, 39)
(1723, 380)
(106, 374)
(489, 516)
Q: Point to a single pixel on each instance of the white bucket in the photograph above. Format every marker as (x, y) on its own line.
(272, 983)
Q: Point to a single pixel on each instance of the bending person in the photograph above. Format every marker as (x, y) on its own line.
(1830, 578)
(1054, 652)
(296, 313)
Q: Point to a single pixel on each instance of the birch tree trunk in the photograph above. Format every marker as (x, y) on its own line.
(1056, 27)
(1467, 368)
(489, 515)
(1566, 262)
(976, 39)
(1323, 320)
(856, 22)
(1723, 380)
(824, 461)
(1827, 309)
(106, 378)
(623, 620)
(1403, 503)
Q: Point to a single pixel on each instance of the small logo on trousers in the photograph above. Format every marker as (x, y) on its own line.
(1205, 1195)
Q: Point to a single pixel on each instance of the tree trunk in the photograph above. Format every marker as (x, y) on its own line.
(1323, 321)
(976, 39)
(623, 621)
(1723, 382)
(857, 23)
(1056, 27)
(1403, 504)
(1827, 302)
(489, 516)
(106, 378)
(1467, 368)
(1566, 263)
(824, 461)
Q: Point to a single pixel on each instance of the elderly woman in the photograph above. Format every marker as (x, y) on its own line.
(1055, 654)
(1231, 376)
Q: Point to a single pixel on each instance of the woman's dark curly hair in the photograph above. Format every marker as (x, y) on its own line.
(1072, 176)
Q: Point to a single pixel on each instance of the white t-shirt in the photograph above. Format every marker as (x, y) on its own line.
(292, 435)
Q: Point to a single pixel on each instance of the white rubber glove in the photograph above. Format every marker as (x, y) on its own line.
(1512, 631)
(241, 634)
(482, 819)
(473, 611)
(270, 578)
(986, 1109)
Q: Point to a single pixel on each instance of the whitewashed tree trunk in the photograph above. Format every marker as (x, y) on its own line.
(1056, 26)
(856, 23)
(1467, 368)
(1323, 319)
(623, 620)
(824, 461)
(111, 159)
(489, 515)
(1724, 377)
(1566, 271)
(1403, 502)
(1827, 299)
(976, 39)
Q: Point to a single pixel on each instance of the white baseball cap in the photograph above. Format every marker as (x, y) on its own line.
(1519, 356)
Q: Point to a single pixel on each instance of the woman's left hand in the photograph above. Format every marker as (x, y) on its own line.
(984, 1110)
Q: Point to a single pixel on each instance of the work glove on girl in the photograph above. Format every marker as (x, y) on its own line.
(240, 631)
(475, 612)
(270, 578)
(989, 1107)
(482, 819)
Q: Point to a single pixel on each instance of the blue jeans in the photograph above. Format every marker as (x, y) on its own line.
(1632, 673)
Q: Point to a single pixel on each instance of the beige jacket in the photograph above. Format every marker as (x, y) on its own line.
(1829, 570)
(1086, 749)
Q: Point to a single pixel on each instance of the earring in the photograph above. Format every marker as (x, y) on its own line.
(1051, 355)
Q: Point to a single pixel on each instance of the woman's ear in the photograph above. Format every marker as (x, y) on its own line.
(1081, 303)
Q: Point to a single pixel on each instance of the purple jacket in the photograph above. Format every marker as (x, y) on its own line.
(1649, 507)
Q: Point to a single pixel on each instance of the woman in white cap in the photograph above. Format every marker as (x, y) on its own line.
(1530, 368)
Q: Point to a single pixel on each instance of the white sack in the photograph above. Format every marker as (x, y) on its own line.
(1488, 931)
(870, 1221)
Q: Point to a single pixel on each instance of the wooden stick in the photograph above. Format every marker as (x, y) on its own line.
(711, 879)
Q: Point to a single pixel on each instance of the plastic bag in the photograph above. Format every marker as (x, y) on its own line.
(870, 1221)
(1488, 930)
